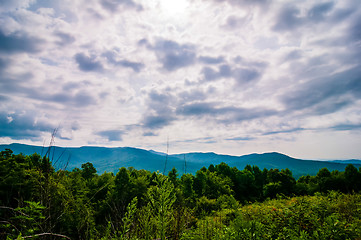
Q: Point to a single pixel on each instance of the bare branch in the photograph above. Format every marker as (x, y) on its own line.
(47, 234)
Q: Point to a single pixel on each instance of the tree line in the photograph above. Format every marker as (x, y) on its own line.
(38, 201)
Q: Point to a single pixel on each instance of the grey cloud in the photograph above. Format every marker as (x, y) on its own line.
(293, 55)
(64, 38)
(13, 84)
(111, 135)
(243, 114)
(173, 55)
(79, 99)
(200, 109)
(157, 121)
(83, 98)
(244, 75)
(159, 97)
(288, 19)
(192, 95)
(355, 30)
(144, 42)
(113, 5)
(325, 95)
(88, 64)
(3, 98)
(240, 139)
(160, 112)
(22, 126)
(318, 12)
(225, 114)
(3, 64)
(21, 86)
(341, 14)
(64, 138)
(246, 63)
(244, 2)
(19, 42)
(240, 74)
(211, 60)
(233, 22)
(75, 126)
(285, 131)
(210, 74)
(136, 66)
(149, 134)
(347, 127)
(74, 85)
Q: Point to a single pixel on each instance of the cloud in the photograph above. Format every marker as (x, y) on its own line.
(293, 55)
(14, 4)
(210, 74)
(173, 55)
(136, 66)
(88, 64)
(326, 94)
(201, 108)
(70, 96)
(192, 95)
(240, 139)
(244, 75)
(22, 126)
(150, 134)
(234, 22)
(318, 12)
(159, 113)
(3, 98)
(157, 121)
(19, 42)
(285, 131)
(240, 74)
(211, 60)
(111, 135)
(113, 5)
(288, 19)
(225, 115)
(80, 98)
(355, 30)
(3, 64)
(64, 38)
(347, 127)
(244, 2)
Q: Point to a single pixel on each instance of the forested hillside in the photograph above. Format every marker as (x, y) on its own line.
(111, 159)
(218, 202)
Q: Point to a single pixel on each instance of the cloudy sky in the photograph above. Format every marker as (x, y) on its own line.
(228, 76)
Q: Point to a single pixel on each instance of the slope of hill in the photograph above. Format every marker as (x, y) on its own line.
(111, 159)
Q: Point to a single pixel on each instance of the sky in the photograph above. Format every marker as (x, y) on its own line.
(226, 76)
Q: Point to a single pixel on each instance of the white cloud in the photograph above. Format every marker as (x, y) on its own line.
(224, 75)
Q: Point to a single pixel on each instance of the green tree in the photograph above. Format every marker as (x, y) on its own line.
(88, 171)
(161, 199)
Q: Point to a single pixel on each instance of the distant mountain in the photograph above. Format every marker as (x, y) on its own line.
(351, 161)
(111, 159)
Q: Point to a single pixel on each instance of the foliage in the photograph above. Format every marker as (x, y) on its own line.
(220, 202)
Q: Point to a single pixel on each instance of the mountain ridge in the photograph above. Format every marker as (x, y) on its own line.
(110, 159)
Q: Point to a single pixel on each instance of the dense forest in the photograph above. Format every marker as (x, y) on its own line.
(218, 202)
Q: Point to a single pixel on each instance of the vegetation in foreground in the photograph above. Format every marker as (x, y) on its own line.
(216, 203)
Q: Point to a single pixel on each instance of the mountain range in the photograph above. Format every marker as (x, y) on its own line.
(111, 159)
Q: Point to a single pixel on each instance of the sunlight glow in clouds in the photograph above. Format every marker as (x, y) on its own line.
(229, 76)
(174, 8)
